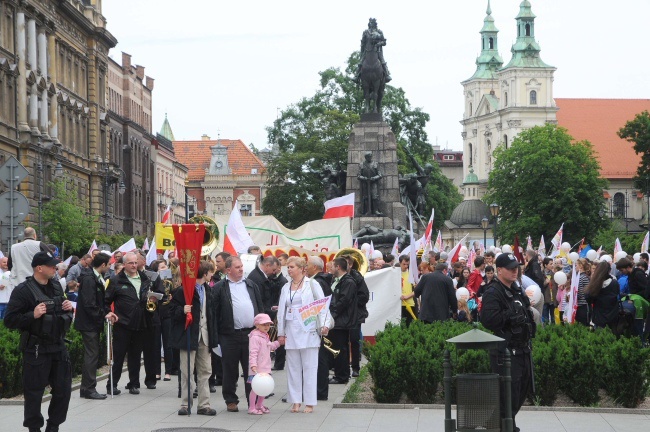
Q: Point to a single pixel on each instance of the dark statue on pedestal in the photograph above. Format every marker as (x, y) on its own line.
(413, 187)
(383, 237)
(373, 72)
(333, 181)
(369, 177)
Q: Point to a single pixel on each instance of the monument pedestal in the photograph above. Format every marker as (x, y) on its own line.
(374, 135)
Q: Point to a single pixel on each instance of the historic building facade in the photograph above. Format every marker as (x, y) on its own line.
(53, 70)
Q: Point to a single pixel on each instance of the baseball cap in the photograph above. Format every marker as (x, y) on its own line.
(44, 259)
(506, 261)
(262, 319)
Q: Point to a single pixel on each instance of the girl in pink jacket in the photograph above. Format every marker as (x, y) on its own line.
(259, 359)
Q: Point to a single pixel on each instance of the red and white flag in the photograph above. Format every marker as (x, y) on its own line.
(355, 245)
(529, 245)
(572, 305)
(371, 251)
(542, 247)
(644, 244)
(617, 247)
(427, 232)
(92, 247)
(556, 241)
(145, 245)
(454, 254)
(237, 239)
(414, 276)
(166, 215)
(437, 246)
(340, 207)
(395, 251)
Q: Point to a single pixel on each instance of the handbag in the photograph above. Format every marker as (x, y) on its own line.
(319, 324)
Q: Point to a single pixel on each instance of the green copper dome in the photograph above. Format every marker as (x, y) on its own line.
(489, 61)
(525, 51)
(166, 130)
(471, 178)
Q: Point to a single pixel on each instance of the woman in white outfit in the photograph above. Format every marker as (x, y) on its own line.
(302, 346)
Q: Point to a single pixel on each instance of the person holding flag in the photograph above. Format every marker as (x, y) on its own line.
(409, 307)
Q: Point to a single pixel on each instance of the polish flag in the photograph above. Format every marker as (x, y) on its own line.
(646, 241)
(92, 247)
(437, 247)
(166, 215)
(395, 251)
(414, 274)
(340, 207)
(355, 245)
(237, 239)
(152, 255)
(454, 254)
(427, 232)
(145, 246)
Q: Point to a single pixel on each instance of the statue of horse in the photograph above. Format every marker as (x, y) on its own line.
(372, 76)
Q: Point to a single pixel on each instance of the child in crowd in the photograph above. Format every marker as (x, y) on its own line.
(259, 360)
(464, 314)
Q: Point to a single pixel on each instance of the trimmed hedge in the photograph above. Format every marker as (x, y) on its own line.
(572, 358)
(11, 359)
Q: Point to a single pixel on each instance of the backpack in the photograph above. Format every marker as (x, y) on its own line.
(626, 315)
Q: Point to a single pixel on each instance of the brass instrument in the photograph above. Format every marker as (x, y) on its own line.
(328, 346)
(211, 236)
(360, 262)
(151, 306)
(167, 283)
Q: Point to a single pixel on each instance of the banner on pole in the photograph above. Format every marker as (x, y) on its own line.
(164, 237)
(384, 306)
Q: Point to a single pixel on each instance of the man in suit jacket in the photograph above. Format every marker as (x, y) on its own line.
(438, 296)
(235, 302)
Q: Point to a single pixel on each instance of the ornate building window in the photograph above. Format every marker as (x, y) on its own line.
(533, 97)
(471, 155)
(505, 99)
(618, 207)
(505, 140)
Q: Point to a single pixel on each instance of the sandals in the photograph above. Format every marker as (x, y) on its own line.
(308, 409)
(255, 412)
(295, 408)
(167, 378)
(264, 409)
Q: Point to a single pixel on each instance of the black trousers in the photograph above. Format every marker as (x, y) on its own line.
(521, 373)
(234, 350)
(322, 376)
(91, 360)
(355, 346)
(406, 315)
(340, 341)
(166, 329)
(151, 354)
(280, 358)
(582, 315)
(217, 370)
(53, 369)
(125, 342)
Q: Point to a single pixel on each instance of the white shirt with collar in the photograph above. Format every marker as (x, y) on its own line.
(243, 311)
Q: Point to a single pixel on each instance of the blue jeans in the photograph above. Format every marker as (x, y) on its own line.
(548, 313)
(3, 308)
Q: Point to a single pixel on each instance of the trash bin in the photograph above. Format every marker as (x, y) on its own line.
(477, 402)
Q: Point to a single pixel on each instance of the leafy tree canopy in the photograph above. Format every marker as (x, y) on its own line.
(543, 180)
(314, 132)
(65, 220)
(637, 131)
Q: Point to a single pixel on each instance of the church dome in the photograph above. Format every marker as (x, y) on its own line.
(469, 212)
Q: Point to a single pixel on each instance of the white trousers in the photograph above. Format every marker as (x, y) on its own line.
(199, 359)
(302, 368)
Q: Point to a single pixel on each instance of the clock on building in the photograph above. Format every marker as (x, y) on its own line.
(218, 164)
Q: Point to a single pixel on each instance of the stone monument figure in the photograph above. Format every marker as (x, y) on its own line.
(369, 176)
(413, 186)
(372, 73)
(383, 237)
(333, 181)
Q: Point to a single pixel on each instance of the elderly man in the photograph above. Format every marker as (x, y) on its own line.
(235, 302)
(21, 255)
(127, 291)
(6, 286)
(72, 281)
(38, 309)
(438, 296)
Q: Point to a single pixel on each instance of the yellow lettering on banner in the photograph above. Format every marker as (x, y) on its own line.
(165, 237)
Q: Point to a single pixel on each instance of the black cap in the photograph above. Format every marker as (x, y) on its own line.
(44, 259)
(506, 260)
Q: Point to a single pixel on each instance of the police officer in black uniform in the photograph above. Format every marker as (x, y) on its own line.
(39, 309)
(506, 311)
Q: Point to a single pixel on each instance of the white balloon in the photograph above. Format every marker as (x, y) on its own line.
(592, 255)
(377, 255)
(574, 256)
(263, 384)
(607, 258)
(491, 248)
(463, 251)
(534, 293)
(637, 258)
(462, 294)
(620, 255)
(560, 278)
(506, 249)
(566, 247)
(365, 247)
(497, 251)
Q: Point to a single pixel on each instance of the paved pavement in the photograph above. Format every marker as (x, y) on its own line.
(157, 409)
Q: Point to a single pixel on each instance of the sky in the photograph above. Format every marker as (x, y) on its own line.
(224, 68)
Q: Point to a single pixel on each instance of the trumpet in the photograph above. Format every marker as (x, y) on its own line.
(328, 346)
(168, 289)
(151, 306)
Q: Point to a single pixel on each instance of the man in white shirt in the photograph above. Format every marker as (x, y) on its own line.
(20, 258)
(6, 286)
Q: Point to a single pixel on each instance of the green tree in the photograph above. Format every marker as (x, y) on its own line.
(65, 220)
(543, 180)
(637, 131)
(606, 237)
(314, 132)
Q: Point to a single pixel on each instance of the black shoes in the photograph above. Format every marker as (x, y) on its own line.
(51, 428)
(206, 411)
(337, 381)
(213, 389)
(116, 391)
(277, 368)
(134, 391)
(355, 373)
(321, 398)
(183, 411)
(151, 386)
(93, 395)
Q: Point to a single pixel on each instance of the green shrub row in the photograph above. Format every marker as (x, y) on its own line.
(11, 359)
(571, 359)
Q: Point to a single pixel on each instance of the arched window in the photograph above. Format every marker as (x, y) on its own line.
(471, 109)
(471, 155)
(618, 208)
(527, 29)
(505, 99)
(491, 43)
(505, 140)
(533, 97)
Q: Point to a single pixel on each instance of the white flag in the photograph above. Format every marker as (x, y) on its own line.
(413, 254)
(128, 246)
(152, 255)
(395, 251)
(92, 247)
(237, 240)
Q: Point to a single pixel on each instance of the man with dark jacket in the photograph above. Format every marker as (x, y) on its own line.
(315, 271)
(217, 369)
(89, 321)
(203, 337)
(344, 310)
(363, 295)
(533, 269)
(128, 292)
(438, 296)
(637, 280)
(506, 311)
(235, 303)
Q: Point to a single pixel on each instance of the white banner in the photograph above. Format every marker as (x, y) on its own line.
(317, 236)
(384, 305)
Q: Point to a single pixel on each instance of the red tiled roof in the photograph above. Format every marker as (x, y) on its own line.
(196, 156)
(598, 121)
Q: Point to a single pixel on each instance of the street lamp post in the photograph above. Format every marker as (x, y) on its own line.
(485, 222)
(165, 192)
(494, 210)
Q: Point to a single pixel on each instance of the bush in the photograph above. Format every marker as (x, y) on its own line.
(628, 372)
(11, 359)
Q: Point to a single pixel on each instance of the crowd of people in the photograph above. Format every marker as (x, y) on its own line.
(245, 325)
